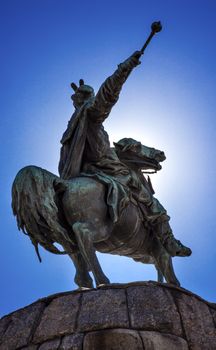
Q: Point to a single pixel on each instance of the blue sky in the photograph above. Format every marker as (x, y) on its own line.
(168, 102)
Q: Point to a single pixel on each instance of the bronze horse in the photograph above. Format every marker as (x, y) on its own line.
(75, 214)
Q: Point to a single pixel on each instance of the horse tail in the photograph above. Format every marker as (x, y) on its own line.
(35, 206)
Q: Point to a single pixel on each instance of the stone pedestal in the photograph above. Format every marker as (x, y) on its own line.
(134, 316)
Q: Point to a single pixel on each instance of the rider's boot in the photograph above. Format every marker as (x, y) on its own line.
(173, 246)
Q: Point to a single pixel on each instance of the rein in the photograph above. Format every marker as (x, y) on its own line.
(149, 172)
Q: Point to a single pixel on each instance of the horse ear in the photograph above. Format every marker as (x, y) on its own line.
(81, 82)
(117, 146)
(74, 86)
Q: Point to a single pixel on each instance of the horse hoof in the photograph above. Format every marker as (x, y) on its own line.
(83, 288)
(103, 284)
(175, 283)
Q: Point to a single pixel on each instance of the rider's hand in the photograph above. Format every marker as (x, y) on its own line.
(131, 62)
(135, 57)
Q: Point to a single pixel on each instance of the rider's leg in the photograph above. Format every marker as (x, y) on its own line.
(172, 245)
(160, 221)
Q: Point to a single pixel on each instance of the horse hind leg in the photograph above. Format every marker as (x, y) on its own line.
(82, 276)
(84, 235)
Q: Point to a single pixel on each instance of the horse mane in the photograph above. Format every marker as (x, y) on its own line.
(36, 210)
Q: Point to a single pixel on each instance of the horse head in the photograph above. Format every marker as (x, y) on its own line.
(136, 155)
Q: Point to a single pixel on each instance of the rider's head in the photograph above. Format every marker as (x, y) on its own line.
(82, 93)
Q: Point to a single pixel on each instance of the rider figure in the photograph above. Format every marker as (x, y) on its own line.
(86, 150)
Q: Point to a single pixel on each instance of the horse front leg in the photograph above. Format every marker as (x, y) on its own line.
(160, 277)
(84, 235)
(82, 277)
(164, 262)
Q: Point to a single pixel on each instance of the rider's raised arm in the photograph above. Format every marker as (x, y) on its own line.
(109, 91)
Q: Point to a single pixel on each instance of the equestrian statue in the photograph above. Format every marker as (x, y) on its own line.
(102, 200)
